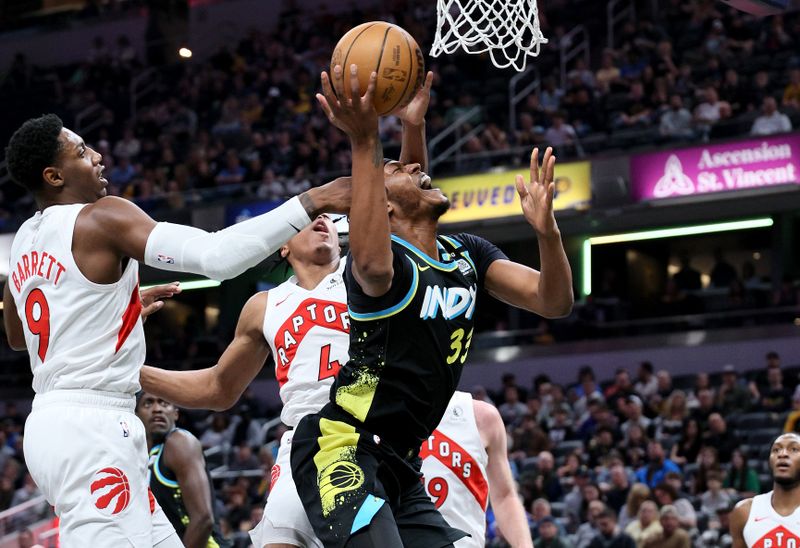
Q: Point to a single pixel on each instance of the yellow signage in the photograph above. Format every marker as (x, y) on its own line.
(493, 195)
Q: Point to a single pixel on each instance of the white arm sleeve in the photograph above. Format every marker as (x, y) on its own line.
(228, 252)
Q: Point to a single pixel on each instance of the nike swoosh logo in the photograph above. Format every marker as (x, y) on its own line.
(421, 268)
(282, 300)
(760, 519)
(294, 227)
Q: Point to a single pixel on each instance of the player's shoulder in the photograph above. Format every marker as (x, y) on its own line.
(487, 416)
(742, 510)
(255, 307)
(182, 441)
(111, 213)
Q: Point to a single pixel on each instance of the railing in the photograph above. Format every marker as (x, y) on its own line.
(455, 148)
(516, 97)
(89, 119)
(615, 15)
(15, 517)
(569, 50)
(142, 85)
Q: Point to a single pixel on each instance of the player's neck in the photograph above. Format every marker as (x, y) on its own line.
(43, 201)
(785, 499)
(310, 275)
(421, 235)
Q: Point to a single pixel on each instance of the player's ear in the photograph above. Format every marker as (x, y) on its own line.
(52, 176)
(284, 251)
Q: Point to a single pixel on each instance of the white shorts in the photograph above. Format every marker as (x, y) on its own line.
(285, 520)
(87, 452)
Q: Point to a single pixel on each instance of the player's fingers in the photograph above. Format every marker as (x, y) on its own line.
(522, 190)
(535, 165)
(327, 90)
(551, 192)
(373, 82)
(428, 81)
(548, 155)
(326, 108)
(355, 88)
(338, 83)
(550, 169)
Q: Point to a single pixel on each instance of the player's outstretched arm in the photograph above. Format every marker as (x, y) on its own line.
(370, 243)
(738, 520)
(119, 225)
(547, 292)
(508, 509)
(217, 387)
(414, 148)
(11, 322)
(183, 454)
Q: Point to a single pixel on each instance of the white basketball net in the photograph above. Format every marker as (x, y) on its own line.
(507, 29)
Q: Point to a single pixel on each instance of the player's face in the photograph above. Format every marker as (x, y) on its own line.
(158, 415)
(317, 243)
(410, 190)
(81, 168)
(784, 460)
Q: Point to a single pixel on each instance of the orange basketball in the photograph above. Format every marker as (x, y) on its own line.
(389, 51)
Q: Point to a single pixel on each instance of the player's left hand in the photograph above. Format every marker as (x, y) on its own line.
(537, 195)
(414, 112)
(151, 297)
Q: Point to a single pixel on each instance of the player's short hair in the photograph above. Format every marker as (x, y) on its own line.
(33, 148)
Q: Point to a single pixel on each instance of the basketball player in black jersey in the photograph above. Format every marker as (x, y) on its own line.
(411, 297)
(178, 476)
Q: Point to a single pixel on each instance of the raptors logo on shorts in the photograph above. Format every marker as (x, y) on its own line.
(111, 490)
(274, 474)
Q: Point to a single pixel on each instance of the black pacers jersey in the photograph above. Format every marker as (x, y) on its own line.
(167, 492)
(408, 347)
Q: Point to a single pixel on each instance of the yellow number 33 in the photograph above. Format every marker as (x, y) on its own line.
(458, 348)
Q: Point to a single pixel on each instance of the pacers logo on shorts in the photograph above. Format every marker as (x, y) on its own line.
(111, 490)
(340, 477)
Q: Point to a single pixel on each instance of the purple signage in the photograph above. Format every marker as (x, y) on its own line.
(716, 168)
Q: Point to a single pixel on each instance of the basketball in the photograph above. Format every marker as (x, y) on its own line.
(392, 53)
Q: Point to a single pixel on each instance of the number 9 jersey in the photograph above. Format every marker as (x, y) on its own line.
(79, 334)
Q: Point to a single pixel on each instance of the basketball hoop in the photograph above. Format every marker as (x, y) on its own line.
(507, 29)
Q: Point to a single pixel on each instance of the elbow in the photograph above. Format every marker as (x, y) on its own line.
(204, 523)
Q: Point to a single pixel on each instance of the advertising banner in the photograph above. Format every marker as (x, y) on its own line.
(493, 195)
(724, 167)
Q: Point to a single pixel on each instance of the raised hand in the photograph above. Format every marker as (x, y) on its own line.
(355, 115)
(537, 195)
(151, 297)
(414, 112)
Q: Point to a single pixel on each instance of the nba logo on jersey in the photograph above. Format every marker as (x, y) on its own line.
(780, 537)
(165, 259)
(125, 430)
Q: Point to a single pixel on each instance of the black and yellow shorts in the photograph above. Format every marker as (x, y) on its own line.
(345, 475)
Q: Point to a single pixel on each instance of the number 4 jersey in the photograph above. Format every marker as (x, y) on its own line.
(454, 464)
(79, 334)
(307, 331)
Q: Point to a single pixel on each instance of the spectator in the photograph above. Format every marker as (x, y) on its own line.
(646, 526)
(620, 487)
(687, 278)
(233, 173)
(588, 530)
(672, 536)
(559, 133)
(791, 93)
(540, 511)
(732, 397)
(664, 380)
(608, 74)
(708, 462)
(740, 477)
(792, 423)
(646, 383)
(676, 123)
(512, 410)
(610, 535)
(666, 495)
(775, 397)
(772, 120)
(528, 439)
(632, 408)
(705, 407)
(720, 437)
(658, 466)
(639, 493)
(549, 536)
(718, 534)
(722, 273)
(617, 394)
(711, 110)
(714, 498)
(669, 424)
(547, 482)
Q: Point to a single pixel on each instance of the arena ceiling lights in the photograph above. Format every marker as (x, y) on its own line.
(694, 230)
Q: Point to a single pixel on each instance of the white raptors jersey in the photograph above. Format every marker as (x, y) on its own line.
(454, 465)
(765, 528)
(308, 332)
(79, 334)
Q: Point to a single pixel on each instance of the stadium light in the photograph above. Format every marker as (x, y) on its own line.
(189, 285)
(694, 230)
(186, 53)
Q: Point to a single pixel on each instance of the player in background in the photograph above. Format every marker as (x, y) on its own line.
(304, 324)
(411, 297)
(465, 466)
(179, 479)
(72, 300)
(772, 520)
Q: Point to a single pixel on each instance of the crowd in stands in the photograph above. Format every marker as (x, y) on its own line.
(248, 114)
(641, 460)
